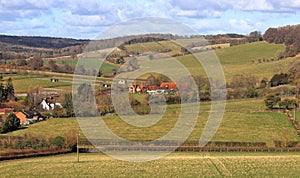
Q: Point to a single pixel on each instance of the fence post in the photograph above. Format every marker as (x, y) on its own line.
(77, 146)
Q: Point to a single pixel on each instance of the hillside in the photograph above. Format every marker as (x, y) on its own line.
(257, 58)
(23, 47)
(41, 42)
(238, 125)
(288, 35)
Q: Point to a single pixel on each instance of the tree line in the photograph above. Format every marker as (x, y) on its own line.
(287, 35)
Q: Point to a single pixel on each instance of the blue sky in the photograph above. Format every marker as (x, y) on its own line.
(87, 18)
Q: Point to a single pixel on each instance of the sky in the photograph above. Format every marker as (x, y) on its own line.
(85, 19)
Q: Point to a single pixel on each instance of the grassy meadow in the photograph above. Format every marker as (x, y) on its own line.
(173, 165)
(22, 82)
(241, 124)
(239, 60)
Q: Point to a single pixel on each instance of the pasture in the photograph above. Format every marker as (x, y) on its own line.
(243, 59)
(257, 58)
(173, 165)
(242, 122)
(22, 82)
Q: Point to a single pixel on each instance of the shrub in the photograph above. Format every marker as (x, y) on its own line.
(271, 101)
(59, 141)
(288, 104)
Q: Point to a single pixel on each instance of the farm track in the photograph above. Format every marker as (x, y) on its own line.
(222, 169)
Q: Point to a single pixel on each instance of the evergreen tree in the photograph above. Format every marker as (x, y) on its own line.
(2, 93)
(10, 91)
(68, 104)
(11, 123)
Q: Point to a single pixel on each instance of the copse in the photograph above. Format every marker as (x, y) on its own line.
(271, 101)
(288, 35)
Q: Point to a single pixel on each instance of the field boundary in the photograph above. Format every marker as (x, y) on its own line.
(28, 153)
(88, 149)
(294, 122)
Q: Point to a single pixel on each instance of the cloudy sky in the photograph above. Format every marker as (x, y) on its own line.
(87, 18)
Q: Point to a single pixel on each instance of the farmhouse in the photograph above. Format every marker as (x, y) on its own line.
(135, 88)
(49, 103)
(26, 117)
(168, 85)
(164, 88)
(22, 117)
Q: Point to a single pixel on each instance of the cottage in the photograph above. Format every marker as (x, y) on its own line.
(33, 116)
(122, 82)
(106, 85)
(54, 80)
(168, 85)
(135, 88)
(49, 104)
(22, 117)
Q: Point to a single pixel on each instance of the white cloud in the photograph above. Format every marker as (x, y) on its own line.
(242, 26)
(205, 13)
(84, 16)
(253, 5)
(36, 23)
(86, 20)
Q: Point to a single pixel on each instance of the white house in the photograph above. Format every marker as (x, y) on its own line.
(49, 106)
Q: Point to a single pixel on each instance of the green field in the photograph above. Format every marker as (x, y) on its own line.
(174, 165)
(243, 54)
(22, 82)
(242, 59)
(232, 64)
(242, 124)
(106, 67)
(154, 47)
(238, 60)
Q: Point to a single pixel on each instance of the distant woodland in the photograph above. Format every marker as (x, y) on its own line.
(288, 35)
(25, 47)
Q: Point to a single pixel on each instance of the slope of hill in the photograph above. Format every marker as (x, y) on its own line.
(257, 58)
(41, 42)
(288, 35)
(21, 47)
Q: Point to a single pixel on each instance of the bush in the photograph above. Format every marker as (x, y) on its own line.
(271, 101)
(59, 141)
(288, 104)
